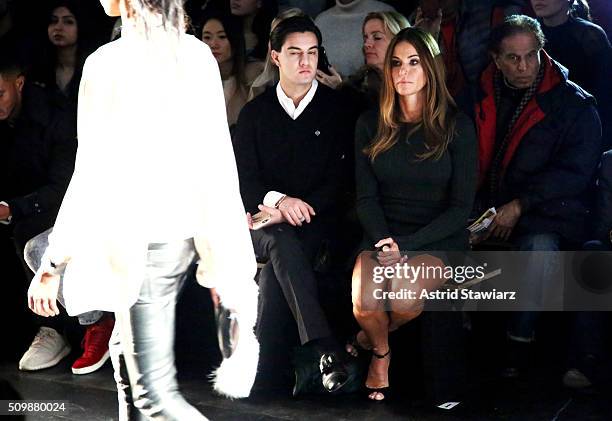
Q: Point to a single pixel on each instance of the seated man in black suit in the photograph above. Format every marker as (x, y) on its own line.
(38, 151)
(289, 145)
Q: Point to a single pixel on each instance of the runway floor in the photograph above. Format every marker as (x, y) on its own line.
(93, 397)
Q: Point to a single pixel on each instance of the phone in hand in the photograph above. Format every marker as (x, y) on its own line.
(260, 219)
(323, 64)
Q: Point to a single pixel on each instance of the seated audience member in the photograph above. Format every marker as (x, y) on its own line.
(378, 30)
(256, 16)
(603, 218)
(269, 74)
(540, 143)
(586, 346)
(291, 166)
(60, 71)
(582, 47)
(39, 147)
(416, 168)
(462, 29)
(223, 34)
(341, 27)
(601, 11)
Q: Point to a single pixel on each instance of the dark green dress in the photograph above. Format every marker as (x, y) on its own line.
(422, 205)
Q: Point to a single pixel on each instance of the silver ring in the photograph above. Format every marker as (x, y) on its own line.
(302, 219)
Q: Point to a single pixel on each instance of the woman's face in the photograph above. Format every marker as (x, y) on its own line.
(213, 34)
(63, 28)
(548, 8)
(244, 7)
(406, 70)
(376, 39)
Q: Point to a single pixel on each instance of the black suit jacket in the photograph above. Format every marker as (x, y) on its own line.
(36, 163)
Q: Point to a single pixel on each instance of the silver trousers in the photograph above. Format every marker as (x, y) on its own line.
(142, 343)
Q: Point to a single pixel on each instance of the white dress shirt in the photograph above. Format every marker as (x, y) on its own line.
(287, 103)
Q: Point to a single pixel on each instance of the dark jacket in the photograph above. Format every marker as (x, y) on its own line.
(36, 164)
(552, 156)
(603, 230)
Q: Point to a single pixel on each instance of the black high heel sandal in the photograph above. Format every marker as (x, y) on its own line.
(356, 346)
(384, 391)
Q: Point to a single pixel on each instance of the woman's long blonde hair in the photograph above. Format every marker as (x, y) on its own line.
(439, 109)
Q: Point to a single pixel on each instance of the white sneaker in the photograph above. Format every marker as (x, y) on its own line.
(575, 379)
(47, 349)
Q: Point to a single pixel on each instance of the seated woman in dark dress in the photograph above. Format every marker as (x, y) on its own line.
(416, 178)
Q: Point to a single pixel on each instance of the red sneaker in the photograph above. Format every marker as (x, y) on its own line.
(95, 346)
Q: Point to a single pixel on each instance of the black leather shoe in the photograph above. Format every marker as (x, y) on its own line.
(319, 373)
(333, 372)
(307, 374)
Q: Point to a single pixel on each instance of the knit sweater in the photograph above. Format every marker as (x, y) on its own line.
(422, 205)
(303, 158)
(341, 27)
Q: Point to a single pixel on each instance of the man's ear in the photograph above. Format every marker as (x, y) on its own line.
(495, 58)
(274, 57)
(19, 82)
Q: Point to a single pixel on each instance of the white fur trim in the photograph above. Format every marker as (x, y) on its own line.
(236, 375)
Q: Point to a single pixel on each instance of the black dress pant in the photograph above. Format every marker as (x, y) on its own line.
(287, 283)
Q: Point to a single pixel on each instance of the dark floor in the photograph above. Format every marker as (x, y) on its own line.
(539, 396)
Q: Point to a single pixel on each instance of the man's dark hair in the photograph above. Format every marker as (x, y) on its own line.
(292, 25)
(516, 24)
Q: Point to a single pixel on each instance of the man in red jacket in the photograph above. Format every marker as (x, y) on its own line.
(539, 146)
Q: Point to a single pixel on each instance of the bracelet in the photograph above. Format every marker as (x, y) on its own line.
(278, 203)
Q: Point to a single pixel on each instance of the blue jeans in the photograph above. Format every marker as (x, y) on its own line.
(142, 343)
(539, 276)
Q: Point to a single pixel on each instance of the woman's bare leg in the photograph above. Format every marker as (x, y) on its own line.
(375, 324)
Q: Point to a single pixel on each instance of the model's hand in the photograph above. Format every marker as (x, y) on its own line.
(390, 253)
(42, 295)
(296, 211)
(505, 220)
(333, 81)
(429, 24)
(249, 218)
(5, 212)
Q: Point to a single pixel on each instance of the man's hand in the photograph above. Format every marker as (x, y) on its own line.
(42, 295)
(5, 212)
(276, 217)
(505, 220)
(390, 253)
(295, 211)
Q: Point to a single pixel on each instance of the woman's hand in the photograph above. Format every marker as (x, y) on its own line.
(333, 81)
(390, 254)
(42, 295)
